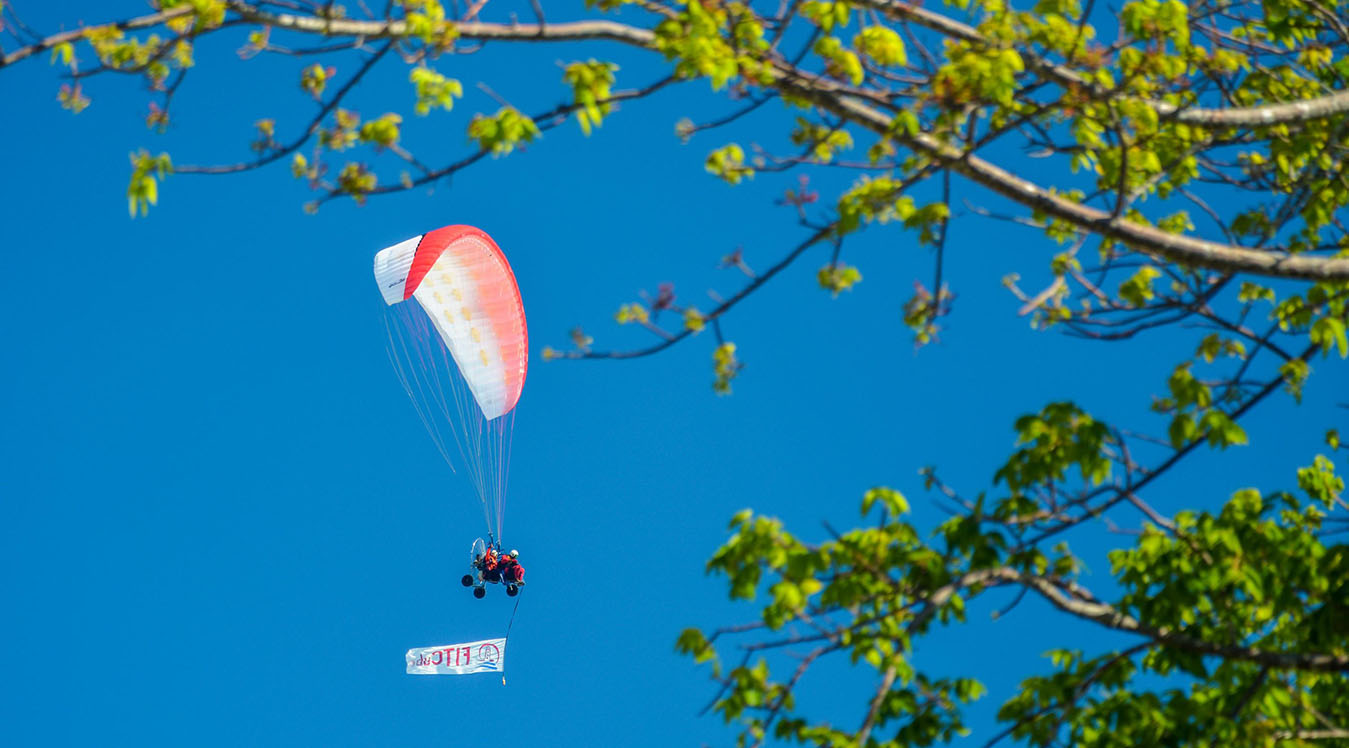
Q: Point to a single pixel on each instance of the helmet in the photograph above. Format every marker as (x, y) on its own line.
(515, 553)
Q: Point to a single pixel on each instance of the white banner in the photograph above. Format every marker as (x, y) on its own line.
(486, 656)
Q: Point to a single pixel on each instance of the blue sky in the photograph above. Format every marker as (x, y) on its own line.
(222, 523)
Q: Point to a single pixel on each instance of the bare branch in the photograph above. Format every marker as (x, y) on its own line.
(874, 708)
(313, 127)
(767, 275)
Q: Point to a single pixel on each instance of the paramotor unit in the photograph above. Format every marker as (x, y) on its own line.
(489, 565)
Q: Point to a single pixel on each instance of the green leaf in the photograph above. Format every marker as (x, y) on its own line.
(1329, 332)
(65, 52)
(1182, 430)
(728, 162)
(881, 44)
(1137, 290)
(433, 90)
(893, 501)
(838, 277)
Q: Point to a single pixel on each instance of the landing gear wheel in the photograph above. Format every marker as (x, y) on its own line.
(512, 590)
(467, 581)
(480, 593)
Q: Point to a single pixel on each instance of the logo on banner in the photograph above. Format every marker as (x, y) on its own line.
(489, 653)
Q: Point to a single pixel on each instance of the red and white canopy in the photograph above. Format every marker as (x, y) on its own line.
(462, 281)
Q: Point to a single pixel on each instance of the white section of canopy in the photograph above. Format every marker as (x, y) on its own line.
(391, 269)
(452, 301)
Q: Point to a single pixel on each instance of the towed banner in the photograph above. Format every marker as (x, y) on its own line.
(486, 656)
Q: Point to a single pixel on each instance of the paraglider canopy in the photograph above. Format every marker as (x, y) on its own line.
(462, 281)
(459, 343)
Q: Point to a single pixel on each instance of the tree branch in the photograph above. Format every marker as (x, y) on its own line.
(314, 125)
(548, 120)
(140, 22)
(1257, 116)
(1085, 607)
(887, 681)
(759, 280)
(1175, 247)
(570, 31)
(1122, 494)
